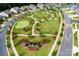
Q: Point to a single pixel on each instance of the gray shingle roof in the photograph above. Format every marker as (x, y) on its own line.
(16, 8)
(7, 11)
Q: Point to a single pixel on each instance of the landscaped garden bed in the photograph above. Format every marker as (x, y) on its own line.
(33, 45)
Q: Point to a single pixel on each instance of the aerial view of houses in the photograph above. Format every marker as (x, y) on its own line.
(40, 29)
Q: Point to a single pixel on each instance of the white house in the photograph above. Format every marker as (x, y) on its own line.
(40, 5)
(15, 9)
(23, 8)
(48, 5)
(1, 17)
(75, 8)
(31, 7)
(5, 13)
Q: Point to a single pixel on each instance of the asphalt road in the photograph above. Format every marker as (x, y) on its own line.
(66, 46)
(3, 51)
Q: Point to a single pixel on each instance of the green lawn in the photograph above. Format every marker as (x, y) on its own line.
(71, 13)
(48, 27)
(78, 26)
(73, 26)
(44, 26)
(21, 24)
(42, 14)
(75, 39)
(76, 18)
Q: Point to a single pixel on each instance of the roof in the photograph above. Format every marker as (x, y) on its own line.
(75, 7)
(6, 11)
(31, 6)
(23, 7)
(16, 8)
(70, 5)
(1, 16)
(40, 4)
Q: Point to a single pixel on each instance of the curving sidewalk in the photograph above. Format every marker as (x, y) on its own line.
(11, 41)
(53, 47)
(33, 32)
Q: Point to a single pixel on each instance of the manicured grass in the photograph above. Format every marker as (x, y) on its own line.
(73, 26)
(71, 13)
(76, 18)
(75, 39)
(78, 26)
(48, 27)
(42, 14)
(26, 29)
(21, 24)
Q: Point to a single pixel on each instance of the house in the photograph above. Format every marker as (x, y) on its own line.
(23, 8)
(1, 17)
(31, 7)
(48, 5)
(58, 4)
(75, 8)
(4, 24)
(15, 10)
(40, 5)
(68, 7)
(5, 13)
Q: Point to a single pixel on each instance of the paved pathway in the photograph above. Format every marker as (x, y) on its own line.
(53, 46)
(33, 28)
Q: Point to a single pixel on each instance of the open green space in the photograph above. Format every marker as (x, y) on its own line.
(77, 26)
(21, 24)
(48, 27)
(71, 13)
(75, 39)
(42, 14)
(76, 18)
(48, 22)
(24, 26)
(73, 26)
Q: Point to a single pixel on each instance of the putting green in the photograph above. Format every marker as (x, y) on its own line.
(21, 24)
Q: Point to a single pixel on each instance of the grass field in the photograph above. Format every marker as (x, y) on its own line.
(75, 39)
(21, 24)
(76, 18)
(48, 27)
(48, 23)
